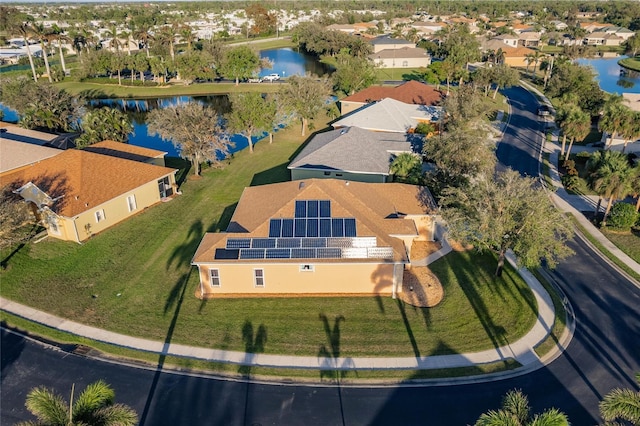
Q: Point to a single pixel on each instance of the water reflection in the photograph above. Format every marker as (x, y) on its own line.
(287, 62)
(612, 77)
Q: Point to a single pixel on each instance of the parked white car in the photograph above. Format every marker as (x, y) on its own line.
(271, 77)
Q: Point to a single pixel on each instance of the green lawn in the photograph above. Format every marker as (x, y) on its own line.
(628, 242)
(136, 278)
(97, 90)
(631, 63)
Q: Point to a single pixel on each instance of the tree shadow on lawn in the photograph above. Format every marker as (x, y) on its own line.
(181, 258)
(332, 355)
(466, 276)
(175, 297)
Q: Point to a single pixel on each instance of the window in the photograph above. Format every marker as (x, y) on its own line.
(131, 202)
(327, 173)
(164, 187)
(215, 277)
(258, 277)
(306, 268)
(53, 225)
(100, 216)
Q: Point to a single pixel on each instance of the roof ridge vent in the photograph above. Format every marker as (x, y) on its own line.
(301, 184)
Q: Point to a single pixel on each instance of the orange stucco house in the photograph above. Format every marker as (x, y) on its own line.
(316, 237)
(77, 194)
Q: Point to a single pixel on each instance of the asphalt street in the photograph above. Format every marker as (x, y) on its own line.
(604, 353)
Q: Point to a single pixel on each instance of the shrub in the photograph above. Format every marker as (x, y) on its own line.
(583, 154)
(623, 216)
(570, 181)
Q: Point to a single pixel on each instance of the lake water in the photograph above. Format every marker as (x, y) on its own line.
(609, 78)
(286, 62)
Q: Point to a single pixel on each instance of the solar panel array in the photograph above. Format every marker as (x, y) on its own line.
(317, 253)
(312, 227)
(311, 234)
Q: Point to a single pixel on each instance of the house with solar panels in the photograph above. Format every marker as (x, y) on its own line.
(316, 237)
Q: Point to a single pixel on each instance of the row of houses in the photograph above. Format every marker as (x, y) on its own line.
(340, 226)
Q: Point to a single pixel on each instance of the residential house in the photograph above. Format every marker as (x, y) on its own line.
(15, 155)
(128, 152)
(559, 25)
(383, 43)
(316, 237)
(601, 38)
(593, 26)
(410, 92)
(406, 57)
(507, 39)
(517, 57)
(77, 193)
(521, 28)
(353, 154)
(631, 100)
(390, 115)
(427, 29)
(529, 39)
(355, 29)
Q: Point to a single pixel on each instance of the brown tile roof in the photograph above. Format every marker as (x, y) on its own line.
(124, 150)
(411, 92)
(85, 180)
(377, 207)
(516, 52)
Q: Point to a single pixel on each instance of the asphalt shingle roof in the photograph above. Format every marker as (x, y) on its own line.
(352, 149)
(84, 179)
(378, 208)
(389, 115)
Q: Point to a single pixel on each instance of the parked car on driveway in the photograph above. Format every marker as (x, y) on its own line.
(271, 77)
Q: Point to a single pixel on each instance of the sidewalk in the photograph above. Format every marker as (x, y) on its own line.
(521, 350)
(576, 204)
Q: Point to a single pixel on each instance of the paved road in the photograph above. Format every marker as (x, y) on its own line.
(604, 353)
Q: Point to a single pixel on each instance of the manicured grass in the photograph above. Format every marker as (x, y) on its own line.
(70, 342)
(628, 242)
(136, 279)
(630, 63)
(560, 318)
(96, 90)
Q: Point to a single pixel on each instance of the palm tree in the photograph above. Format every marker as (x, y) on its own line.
(613, 117)
(25, 31)
(577, 125)
(186, 35)
(630, 129)
(143, 34)
(621, 404)
(515, 411)
(529, 58)
(94, 406)
(166, 36)
(406, 167)
(59, 36)
(41, 33)
(613, 179)
(112, 32)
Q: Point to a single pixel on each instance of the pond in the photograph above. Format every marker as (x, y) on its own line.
(286, 62)
(608, 75)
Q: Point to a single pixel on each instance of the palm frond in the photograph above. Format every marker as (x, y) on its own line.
(551, 417)
(47, 406)
(621, 404)
(116, 415)
(517, 404)
(497, 418)
(96, 396)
